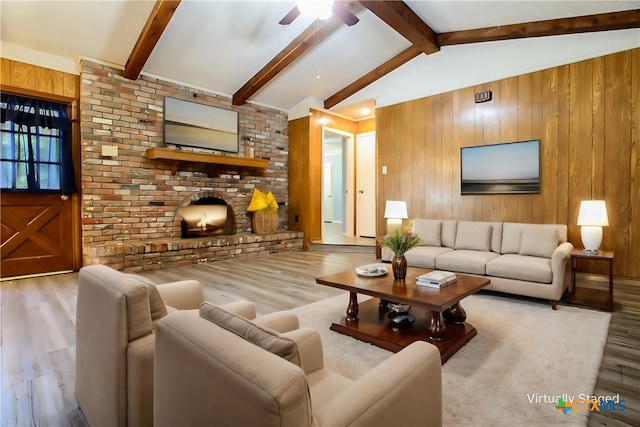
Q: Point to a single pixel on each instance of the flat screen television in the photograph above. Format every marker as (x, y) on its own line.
(197, 125)
(509, 168)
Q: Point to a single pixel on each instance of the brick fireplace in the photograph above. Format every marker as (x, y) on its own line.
(130, 203)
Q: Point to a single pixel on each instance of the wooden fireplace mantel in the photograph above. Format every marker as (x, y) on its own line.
(178, 156)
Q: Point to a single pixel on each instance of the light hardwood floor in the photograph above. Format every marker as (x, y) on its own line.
(38, 329)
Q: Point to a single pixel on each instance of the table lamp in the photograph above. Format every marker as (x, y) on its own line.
(395, 211)
(592, 217)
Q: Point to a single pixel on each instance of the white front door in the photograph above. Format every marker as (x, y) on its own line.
(366, 184)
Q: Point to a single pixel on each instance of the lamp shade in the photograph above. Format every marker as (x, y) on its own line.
(396, 209)
(593, 213)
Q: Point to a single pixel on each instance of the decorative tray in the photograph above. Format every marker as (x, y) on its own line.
(371, 270)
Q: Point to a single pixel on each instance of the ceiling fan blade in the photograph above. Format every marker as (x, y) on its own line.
(345, 14)
(289, 17)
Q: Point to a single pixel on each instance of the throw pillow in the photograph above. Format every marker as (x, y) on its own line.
(429, 230)
(538, 241)
(262, 337)
(473, 235)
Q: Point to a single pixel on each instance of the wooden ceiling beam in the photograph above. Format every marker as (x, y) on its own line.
(377, 73)
(552, 27)
(315, 33)
(156, 23)
(403, 20)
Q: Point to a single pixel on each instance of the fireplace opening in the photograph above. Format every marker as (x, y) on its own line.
(207, 217)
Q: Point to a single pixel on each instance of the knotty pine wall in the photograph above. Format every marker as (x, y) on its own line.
(587, 116)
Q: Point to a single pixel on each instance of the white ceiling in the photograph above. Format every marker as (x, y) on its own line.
(220, 45)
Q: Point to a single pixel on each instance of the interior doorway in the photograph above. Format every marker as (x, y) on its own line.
(337, 204)
(348, 184)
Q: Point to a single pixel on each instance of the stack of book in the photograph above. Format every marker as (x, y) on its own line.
(436, 279)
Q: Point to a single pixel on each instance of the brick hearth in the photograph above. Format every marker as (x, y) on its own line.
(174, 253)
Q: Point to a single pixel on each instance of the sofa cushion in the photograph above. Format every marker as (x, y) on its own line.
(262, 337)
(465, 261)
(474, 236)
(425, 256)
(511, 236)
(449, 229)
(528, 268)
(539, 242)
(429, 230)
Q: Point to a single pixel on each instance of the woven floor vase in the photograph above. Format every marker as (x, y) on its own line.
(264, 222)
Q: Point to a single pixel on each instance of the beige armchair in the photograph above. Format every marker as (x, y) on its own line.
(229, 378)
(115, 340)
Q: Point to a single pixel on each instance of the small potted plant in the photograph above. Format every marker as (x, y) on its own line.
(400, 242)
(265, 212)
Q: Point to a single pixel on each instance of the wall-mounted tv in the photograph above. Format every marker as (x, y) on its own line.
(510, 168)
(198, 125)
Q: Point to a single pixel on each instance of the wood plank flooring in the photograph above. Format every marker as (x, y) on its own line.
(37, 333)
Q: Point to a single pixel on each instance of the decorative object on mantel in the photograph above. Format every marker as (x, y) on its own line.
(265, 212)
(400, 242)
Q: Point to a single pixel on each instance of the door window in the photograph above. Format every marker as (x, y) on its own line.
(35, 155)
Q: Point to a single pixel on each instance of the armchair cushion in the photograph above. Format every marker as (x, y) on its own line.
(262, 337)
(182, 295)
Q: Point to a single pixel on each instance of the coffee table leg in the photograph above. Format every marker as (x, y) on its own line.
(352, 309)
(455, 314)
(436, 326)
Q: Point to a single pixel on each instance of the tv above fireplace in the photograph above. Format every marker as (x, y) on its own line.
(197, 125)
(509, 168)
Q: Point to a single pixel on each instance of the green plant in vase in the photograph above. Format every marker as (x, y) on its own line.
(400, 242)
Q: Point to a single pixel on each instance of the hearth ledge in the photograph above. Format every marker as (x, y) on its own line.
(166, 253)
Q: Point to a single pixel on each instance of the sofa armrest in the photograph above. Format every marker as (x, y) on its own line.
(404, 390)
(182, 295)
(559, 263)
(309, 348)
(280, 321)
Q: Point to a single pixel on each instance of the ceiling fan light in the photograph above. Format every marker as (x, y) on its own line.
(319, 9)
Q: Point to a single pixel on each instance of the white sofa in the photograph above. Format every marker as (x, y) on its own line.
(524, 259)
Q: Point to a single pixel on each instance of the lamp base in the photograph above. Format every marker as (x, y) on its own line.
(590, 251)
(591, 237)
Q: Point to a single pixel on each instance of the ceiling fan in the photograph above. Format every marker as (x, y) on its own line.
(321, 9)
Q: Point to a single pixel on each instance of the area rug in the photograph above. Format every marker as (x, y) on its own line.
(523, 359)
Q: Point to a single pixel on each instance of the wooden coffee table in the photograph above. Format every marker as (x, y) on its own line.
(440, 319)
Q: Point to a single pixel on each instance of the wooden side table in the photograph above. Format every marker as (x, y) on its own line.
(595, 298)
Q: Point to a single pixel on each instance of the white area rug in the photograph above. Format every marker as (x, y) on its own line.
(524, 352)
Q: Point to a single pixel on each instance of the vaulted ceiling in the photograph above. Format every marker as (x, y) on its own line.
(396, 52)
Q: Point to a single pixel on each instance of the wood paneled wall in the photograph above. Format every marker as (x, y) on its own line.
(305, 168)
(36, 80)
(587, 117)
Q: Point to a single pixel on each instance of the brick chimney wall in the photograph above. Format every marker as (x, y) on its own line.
(130, 199)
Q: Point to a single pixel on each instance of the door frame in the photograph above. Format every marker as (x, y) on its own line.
(349, 180)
